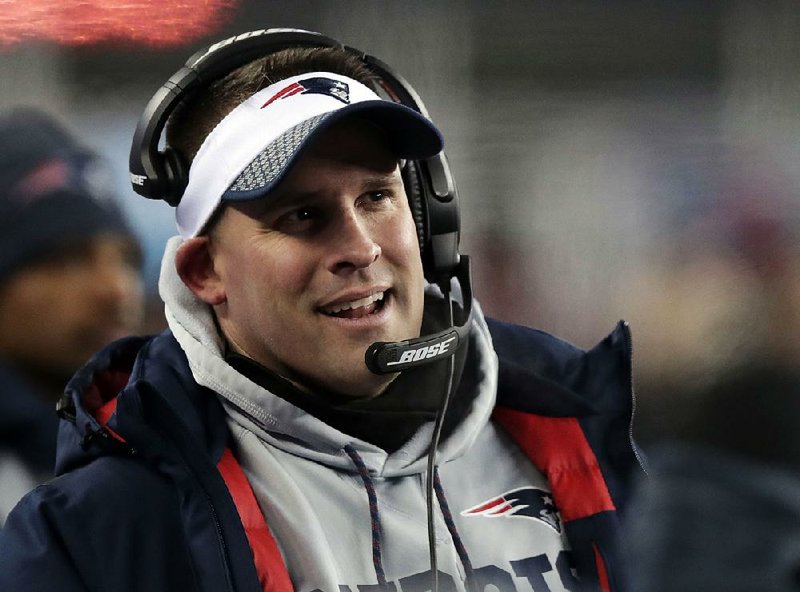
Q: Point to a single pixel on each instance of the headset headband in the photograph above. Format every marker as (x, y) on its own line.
(162, 174)
(150, 172)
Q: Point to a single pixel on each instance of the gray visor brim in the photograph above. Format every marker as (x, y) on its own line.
(409, 134)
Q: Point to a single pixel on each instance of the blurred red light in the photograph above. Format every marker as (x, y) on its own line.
(155, 23)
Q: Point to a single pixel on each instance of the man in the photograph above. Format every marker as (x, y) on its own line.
(69, 284)
(250, 447)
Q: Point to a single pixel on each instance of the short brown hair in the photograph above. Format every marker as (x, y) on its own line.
(191, 123)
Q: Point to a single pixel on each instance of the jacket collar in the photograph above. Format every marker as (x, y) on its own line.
(547, 376)
(149, 378)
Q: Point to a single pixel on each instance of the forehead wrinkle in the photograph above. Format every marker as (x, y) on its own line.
(287, 192)
(382, 179)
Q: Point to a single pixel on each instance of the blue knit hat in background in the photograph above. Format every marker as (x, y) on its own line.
(53, 191)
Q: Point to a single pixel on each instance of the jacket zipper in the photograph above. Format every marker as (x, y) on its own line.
(223, 548)
(221, 540)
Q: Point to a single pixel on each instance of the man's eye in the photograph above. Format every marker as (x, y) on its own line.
(301, 218)
(378, 200)
(301, 214)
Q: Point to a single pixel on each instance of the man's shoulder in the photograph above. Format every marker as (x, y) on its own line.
(83, 518)
(510, 339)
(103, 486)
(534, 365)
(105, 495)
(525, 345)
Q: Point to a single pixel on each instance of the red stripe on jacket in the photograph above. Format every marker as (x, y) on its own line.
(271, 569)
(559, 449)
(602, 572)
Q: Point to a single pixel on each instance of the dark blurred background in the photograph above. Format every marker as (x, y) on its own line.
(614, 159)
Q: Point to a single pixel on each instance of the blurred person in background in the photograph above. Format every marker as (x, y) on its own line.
(69, 284)
(721, 511)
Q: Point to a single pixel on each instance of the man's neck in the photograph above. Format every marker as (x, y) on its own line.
(388, 420)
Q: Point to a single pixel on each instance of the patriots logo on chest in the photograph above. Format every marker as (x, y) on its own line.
(523, 502)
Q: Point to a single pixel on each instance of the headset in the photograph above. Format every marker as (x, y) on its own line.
(161, 173)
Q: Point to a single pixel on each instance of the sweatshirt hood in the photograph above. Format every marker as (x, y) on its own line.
(274, 420)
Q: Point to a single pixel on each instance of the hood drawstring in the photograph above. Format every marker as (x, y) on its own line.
(375, 520)
(451, 527)
(374, 514)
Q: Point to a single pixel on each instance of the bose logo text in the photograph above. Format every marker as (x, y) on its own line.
(423, 353)
(138, 179)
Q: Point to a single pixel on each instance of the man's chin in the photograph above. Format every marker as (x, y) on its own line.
(350, 380)
(359, 384)
(362, 384)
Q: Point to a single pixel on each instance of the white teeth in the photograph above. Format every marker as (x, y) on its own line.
(354, 304)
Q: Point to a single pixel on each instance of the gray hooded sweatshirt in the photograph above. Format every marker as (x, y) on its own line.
(348, 515)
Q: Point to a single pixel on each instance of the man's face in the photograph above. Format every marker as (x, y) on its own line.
(56, 313)
(325, 266)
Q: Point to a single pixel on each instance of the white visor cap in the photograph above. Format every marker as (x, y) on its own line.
(250, 151)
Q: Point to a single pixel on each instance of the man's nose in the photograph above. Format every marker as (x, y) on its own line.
(353, 246)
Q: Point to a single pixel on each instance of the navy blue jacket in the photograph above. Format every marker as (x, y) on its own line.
(140, 504)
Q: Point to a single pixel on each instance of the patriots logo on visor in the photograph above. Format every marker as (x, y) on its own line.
(524, 502)
(314, 86)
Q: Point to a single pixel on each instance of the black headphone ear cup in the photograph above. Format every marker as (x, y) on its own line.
(413, 186)
(176, 173)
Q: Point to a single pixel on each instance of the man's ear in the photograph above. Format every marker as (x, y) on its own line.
(194, 263)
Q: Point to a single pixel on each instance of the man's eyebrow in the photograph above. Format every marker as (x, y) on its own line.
(289, 196)
(278, 198)
(382, 180)
(285, 197)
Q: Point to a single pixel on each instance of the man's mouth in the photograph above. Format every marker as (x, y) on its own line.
(356, 309)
